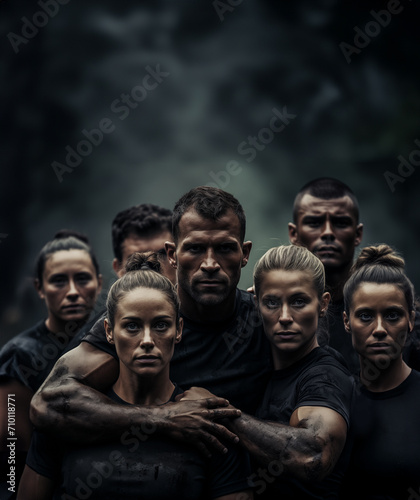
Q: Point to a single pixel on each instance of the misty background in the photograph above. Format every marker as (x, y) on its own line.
(202, 78)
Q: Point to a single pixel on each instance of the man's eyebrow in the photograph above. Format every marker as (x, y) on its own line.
(309, 217)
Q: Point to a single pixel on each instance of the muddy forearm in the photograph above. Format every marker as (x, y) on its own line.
(295, 451)
(75, 412)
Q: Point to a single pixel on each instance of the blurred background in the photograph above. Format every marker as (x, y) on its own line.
(180, 89)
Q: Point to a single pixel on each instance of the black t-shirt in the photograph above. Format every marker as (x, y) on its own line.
(385, 458)
(318, 379)
(30, 356)
(96, 320)
(231, 359)
(139, 465)
(339, 339)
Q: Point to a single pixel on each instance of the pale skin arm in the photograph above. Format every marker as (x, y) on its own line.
(70, 405)
(307, 449)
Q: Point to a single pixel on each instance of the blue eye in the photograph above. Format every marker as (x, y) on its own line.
(161, 326)
(131, 326)
(299, 302)
(271, 303)
(364, 316)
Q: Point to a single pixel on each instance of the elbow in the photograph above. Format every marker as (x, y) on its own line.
(315, 469)
(317, 465)
(313, 463)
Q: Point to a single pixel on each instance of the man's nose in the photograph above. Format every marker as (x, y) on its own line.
(209, 262)
(327, 231)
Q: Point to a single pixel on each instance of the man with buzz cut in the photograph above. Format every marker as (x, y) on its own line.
(223, 348)
(326, 221)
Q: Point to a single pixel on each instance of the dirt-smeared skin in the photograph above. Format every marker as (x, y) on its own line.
(70, 406)
(307, 450)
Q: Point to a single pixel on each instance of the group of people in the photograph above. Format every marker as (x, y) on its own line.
(184, 386)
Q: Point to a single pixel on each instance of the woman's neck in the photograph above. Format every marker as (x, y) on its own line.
(70, 328)
(386, 379)
(143, 390)
(284, 359)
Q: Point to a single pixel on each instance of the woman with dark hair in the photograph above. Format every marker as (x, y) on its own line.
(379, 314)
(68, 281)
(144, 323)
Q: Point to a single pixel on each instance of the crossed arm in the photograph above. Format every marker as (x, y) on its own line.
(306, 449)
(70, 405)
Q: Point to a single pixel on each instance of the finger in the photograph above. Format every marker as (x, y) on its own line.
(215, 401)
(223, 433)
(212, 441)
(202, 448)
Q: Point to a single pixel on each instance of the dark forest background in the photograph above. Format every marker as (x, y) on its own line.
(228, 65)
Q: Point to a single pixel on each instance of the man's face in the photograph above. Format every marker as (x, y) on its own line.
(153, 243)
(209, 256)
(329, 229)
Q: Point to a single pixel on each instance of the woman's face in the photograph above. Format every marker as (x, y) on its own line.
(145, 331)
(69, 287)
(290, 307)
(379, 321)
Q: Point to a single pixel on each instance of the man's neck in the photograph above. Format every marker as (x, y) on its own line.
(204, 313)
(335, 280)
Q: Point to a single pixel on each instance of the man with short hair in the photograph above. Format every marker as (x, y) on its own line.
(326, 221)
(223, 347)
(142, 228)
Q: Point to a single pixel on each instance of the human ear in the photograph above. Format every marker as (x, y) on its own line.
(325, 300)
(117, 267)
(359, 234)
(246, 250)
(170, 248)
(178, 335)
(411, 321)
(346, 322)
(38, 288)
(293, 235)
(108, 331)
(100, 280)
